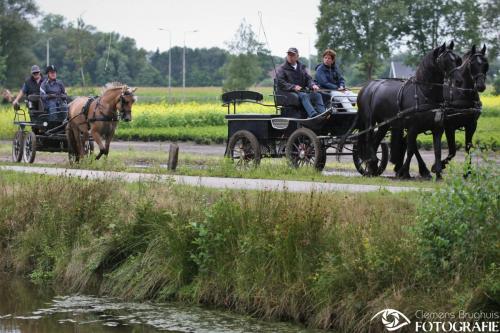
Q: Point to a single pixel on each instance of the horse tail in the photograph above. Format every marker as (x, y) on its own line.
(363, 121)
(398, 147)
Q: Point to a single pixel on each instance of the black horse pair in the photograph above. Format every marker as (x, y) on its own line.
(442, 96)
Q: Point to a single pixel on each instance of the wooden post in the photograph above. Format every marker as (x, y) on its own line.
(173, 156)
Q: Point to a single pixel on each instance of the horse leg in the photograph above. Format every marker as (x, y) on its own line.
(108, 142)
(436, 138)
(98, 139)
(452, 146)
(411, 139)
(469, 133)
(398, 148)
(422, 168)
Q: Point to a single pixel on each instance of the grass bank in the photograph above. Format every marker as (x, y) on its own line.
(329, 260)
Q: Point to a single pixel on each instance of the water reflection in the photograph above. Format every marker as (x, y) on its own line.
(26, 308)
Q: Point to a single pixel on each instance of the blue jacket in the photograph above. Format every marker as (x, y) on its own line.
(329, 77)
(52, 87)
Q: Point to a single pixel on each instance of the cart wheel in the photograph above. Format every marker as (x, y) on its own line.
(382, 159)
(29, 147)
(244, 149)
(17, 146)
(303, 148)
(89, 148)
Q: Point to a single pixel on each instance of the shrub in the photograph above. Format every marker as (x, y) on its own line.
(458, 224)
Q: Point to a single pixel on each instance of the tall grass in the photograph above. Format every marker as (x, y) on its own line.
(330, 260)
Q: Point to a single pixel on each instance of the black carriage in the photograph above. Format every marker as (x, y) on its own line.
(304, 141)
(41, 128)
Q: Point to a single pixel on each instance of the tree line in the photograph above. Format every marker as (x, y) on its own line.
(366, 35)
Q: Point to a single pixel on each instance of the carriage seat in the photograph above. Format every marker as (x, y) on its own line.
(35, 105)
(241, 96)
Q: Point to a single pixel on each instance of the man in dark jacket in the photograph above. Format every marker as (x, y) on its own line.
(292, 76)
(31, 86)
(329, 77)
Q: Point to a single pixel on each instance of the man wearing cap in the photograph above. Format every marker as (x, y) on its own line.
(292, 76)
(31, 86)
(53, 92)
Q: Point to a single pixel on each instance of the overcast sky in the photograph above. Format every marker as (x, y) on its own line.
(215, 20)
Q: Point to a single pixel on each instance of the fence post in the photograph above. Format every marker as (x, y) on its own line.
(173, 156)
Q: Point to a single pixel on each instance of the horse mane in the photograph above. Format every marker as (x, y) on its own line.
(113, 86)
(426, 67)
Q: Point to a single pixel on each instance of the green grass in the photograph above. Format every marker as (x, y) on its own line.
(329, 260)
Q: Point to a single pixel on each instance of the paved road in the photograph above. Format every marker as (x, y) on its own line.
(212, 182)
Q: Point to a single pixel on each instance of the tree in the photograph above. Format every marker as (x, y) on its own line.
(358, 30)
(242, 69)
(16, 37)
(489, 24)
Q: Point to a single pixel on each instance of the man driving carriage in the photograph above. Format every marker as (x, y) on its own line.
(329, 77)
(53, 94)
(30, 87)
(292, 76)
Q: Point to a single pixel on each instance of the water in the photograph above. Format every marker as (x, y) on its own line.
(25, 307)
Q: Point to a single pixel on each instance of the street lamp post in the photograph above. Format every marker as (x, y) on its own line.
(169, 64)
(184, 64)
(48, 50)
(309, 47)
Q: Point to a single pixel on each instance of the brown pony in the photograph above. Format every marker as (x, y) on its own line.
(99, 117)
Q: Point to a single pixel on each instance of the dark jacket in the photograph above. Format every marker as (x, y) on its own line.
(31, 87)
(329, 77)
(52, 87)
(288, 77)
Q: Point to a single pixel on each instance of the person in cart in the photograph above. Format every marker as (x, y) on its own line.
(31, 86)
(330, 78)
(292, 76)
(53, 95)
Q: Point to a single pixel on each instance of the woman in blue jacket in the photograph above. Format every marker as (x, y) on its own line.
(329, 77)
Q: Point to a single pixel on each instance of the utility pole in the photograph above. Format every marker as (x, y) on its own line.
(184, 65)
(169, 64)
(48, 50)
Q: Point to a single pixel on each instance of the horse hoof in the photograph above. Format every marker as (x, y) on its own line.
(426, 175)
(403, 175)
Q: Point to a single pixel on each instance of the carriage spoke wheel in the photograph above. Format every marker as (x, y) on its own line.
(364, 167)
(303, 148)
(244, 150)
(17, 146)
(29, 147)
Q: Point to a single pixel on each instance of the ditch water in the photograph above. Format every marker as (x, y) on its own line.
(28, 308)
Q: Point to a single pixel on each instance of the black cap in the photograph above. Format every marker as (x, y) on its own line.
(293, 50)
(50, 68)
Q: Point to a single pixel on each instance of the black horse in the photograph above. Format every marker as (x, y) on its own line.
(466, 82)
(399, 105)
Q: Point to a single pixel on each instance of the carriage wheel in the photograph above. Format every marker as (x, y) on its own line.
(303, 148)
(363, 166)
(244, 149)
(17, 146)
(29, 147)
